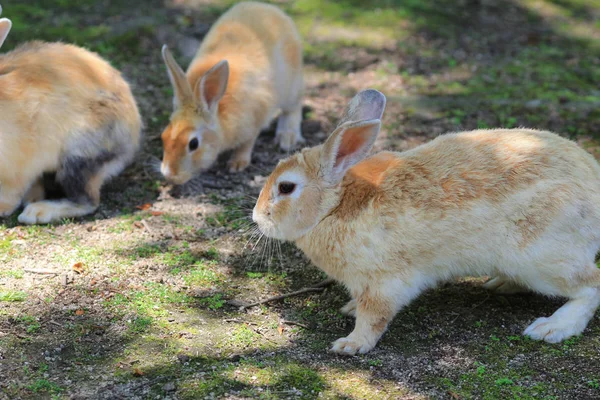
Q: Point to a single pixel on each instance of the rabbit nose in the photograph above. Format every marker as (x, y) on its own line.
(165, 170)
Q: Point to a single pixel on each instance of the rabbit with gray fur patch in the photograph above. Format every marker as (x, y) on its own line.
(63, 110)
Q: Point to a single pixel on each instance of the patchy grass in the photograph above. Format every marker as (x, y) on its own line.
(29, 323)
(214, 302)
(12, 295)
(154, 312)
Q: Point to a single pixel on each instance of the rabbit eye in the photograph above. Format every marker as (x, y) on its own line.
(286, 187)
(193, 144)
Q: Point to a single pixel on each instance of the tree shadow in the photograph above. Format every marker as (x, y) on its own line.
(445, 66)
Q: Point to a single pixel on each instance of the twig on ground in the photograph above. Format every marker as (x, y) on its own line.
(147, 226)
(41, 271)
(319, 287)
(295, 324)
(472, 308)
(55, 323)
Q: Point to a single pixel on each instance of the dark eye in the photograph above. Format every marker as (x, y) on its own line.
(193, 144)
(286, 187)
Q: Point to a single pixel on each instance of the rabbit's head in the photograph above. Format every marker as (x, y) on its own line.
(305, 187)
(5, 26)
(192, 140)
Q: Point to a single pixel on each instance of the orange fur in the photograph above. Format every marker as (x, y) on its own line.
(520, 205)
(55, 97)
(263, 52)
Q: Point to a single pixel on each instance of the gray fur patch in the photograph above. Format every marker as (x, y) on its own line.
(87, 154)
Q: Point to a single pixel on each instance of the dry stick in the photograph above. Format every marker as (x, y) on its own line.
(147, 226)
(319, 287)
(472, 308)
(286, 322)
(41, 271)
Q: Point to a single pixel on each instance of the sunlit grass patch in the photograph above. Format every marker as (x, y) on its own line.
(242, 337)
(273, 379)
(146, 306)
(12, 273)
(12, 295)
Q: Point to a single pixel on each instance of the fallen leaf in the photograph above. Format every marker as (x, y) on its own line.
(138, 224)
(144, 207)
(93, 282)
(138, 372)
(280, 329)
(78, 267)
(156, 213)
(79, 312)
(454, 394)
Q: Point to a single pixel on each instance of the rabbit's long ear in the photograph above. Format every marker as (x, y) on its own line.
(181, 87)
(347, 145)
(5, 26)
(353, 139)
(212, 86)
(366, 105)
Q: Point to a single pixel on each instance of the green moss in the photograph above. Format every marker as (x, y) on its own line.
(44, 386)
(30, 323)
(202, 275)
(214, 302)
(12, 295)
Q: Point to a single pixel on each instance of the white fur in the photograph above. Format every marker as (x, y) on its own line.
(43, 212)
(531, 220)
(5, 25)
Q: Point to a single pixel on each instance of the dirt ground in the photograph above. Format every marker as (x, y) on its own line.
(141, 300)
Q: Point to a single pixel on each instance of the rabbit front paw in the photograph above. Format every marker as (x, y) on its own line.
(553, 329)
(349, 309)
(238, 164)
(37, 213)
(288, 140)
(349, 346)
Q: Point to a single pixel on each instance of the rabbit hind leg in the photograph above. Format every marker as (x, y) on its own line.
(573, 317)
(81, 180)
(503, 285)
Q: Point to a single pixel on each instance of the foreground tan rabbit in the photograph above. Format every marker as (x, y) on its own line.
(520, 205)
(248, 67)
(63, 110)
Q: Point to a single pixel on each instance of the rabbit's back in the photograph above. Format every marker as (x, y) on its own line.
(472, 203)
(455, 170)
(54, 95)
(64, 80)
(251, 27)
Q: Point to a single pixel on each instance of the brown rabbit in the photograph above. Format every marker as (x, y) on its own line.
(63, 109)
(248, 68)
(520, 205)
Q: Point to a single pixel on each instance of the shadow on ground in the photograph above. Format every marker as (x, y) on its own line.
(150, 314)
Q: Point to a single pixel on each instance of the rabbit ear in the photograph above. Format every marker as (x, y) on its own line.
(354, 137)
(366, 105)
(211, 88)
(349, 144)
(5, 26)
(181, 86)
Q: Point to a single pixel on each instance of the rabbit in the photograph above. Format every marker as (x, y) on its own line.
(5, 25)
(248, 67)
(64, 110)
(520, 205)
